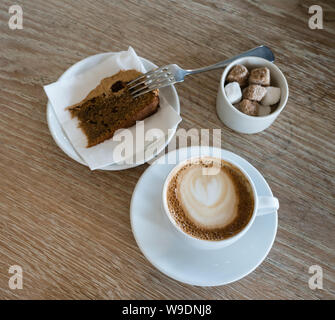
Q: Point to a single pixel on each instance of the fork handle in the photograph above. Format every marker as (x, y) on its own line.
(261, 51)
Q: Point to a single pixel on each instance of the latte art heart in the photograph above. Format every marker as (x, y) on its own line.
(206, 189)
(210, 201)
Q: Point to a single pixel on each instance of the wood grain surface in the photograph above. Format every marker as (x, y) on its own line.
(69, 228)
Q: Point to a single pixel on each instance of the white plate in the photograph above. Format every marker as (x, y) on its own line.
(169, 93)
(172, 255)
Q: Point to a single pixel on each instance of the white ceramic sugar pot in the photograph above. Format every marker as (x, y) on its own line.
(237, 120)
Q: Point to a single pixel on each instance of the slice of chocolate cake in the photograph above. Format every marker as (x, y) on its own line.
(110, 107)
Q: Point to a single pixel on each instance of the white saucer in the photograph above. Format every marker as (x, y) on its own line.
(169, 93)
(172, 255)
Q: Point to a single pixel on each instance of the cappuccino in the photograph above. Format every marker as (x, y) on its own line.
(210, 199)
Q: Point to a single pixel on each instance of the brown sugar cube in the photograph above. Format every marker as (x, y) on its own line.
(249, 107)
(238, 73)
(260, 76)
(254, 92)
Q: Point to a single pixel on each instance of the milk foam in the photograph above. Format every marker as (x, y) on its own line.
(210, 201)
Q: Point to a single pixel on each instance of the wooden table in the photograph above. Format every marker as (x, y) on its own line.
(69, 228)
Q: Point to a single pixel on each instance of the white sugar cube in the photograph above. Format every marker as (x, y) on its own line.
(271, 97)
(264, 110)
(233, 92)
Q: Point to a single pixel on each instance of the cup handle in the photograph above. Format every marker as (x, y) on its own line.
(267, 205)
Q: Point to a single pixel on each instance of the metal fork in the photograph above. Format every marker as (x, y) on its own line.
(172, 73)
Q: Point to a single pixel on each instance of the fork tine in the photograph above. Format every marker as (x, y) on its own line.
(144, 76)
(137, 84)
(156, 70)
(146, 83)
(154, 83)
(149, 74)
(137, 79)
(150, 88)
(144, 79)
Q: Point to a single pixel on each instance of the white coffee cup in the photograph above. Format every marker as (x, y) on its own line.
(262, 205)
(240, 121)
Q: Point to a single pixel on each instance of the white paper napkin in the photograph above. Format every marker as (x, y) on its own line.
(72, 90)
